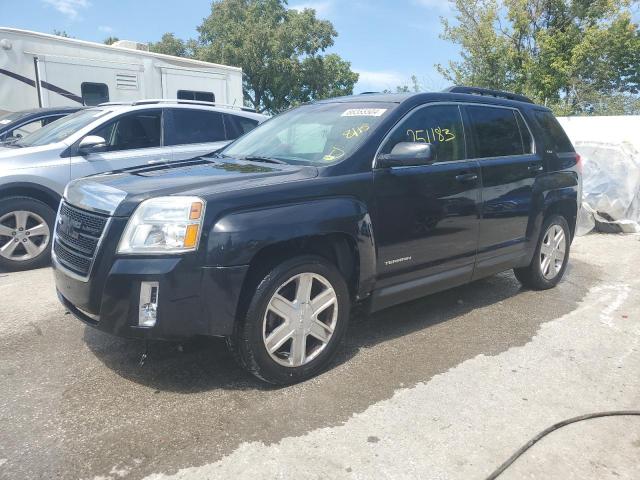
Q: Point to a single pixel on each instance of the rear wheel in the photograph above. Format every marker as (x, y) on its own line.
(550, 259)
(295, 321)
(26, 227)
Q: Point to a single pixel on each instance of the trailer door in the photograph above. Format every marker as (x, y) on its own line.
(189, 84)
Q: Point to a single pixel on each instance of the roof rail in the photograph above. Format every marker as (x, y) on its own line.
(487, 92)
(156, 101)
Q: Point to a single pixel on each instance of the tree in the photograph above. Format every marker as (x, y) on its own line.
(577, 56)
(169, 44)
(279, 50)
(110, 40)
(61, 33)
(415, 86)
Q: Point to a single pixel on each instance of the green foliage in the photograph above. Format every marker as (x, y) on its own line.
(110, 40)
(61, 33)
(577, 56)
(280, 51)
(169, 44)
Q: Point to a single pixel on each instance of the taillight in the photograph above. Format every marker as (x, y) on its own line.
(579, 162)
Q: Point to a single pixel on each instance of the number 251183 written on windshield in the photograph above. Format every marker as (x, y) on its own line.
(431, 135)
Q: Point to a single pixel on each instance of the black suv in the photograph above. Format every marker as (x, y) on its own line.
(372, 199)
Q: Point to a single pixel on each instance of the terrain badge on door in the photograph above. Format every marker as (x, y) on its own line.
(397, 260)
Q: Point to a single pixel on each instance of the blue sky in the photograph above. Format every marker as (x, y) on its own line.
(386, 41)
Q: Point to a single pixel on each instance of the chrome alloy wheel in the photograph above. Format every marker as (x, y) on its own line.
(300, 319)
(552, 250)
(23, 235)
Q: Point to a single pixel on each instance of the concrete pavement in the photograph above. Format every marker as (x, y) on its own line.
(444, 387)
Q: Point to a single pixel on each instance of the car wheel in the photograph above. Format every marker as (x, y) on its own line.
(295, 321)
(551, 256)
(26, 228)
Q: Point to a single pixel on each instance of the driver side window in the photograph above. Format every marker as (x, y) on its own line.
(439, 125)
(132, 131)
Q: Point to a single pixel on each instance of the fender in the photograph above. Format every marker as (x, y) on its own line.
(236, 238)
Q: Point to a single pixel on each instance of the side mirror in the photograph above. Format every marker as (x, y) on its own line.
(90, 144)
(407, 154)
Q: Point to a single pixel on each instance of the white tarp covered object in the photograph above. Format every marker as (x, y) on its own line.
(610, 151)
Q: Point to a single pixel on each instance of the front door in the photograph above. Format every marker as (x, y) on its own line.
(133, 139)
(426, 217)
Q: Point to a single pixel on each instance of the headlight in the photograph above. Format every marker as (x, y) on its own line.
(164, 225)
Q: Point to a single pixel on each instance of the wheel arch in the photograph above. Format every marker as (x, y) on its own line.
(31, 190)
(566, 207)
(338, 229)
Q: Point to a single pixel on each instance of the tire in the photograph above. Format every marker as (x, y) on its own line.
(260, 325)
(30, 247)
(540, 275)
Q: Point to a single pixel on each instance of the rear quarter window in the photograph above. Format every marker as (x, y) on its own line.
(555, 138)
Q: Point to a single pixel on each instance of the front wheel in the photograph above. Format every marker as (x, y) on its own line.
(295, 321)
(26, 227)
(551, 256)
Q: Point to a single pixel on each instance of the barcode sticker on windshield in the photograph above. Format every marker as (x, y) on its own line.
(364, 112)
(4, 122)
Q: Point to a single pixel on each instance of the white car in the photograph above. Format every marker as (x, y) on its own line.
(35, 170)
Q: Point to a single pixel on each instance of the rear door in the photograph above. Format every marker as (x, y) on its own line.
(194, 132)
(426, 217)
(132, 139)
(503, 144)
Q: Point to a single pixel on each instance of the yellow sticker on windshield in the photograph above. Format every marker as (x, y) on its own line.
(335, 154)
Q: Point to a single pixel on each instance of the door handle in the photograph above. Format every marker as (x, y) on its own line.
(467, 177)
(536, 167)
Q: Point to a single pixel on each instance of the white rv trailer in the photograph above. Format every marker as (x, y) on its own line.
(40, 70)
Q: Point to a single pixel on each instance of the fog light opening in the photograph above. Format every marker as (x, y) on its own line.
(148, 304)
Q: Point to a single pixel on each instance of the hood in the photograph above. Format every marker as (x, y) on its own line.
(203, 177)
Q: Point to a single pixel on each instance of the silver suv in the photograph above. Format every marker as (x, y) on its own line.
(35, 169)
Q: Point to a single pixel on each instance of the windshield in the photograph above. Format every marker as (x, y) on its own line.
(61, 129)
(319, 134)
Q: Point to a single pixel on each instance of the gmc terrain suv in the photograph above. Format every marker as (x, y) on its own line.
(35, 169)
(371, 199)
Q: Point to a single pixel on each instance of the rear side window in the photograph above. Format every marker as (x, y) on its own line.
(495, 132)
(94, 93)
(238, 126)
(199, 96)
(440, 126)
(195, 126)
(556, 139)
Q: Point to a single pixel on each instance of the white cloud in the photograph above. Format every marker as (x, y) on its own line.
(105, 28)
(70, 8)
(380, 80)
(321, 7)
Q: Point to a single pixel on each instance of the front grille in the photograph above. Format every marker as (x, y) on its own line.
(77, 238)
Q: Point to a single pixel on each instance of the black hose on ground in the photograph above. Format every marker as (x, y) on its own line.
(616, 413)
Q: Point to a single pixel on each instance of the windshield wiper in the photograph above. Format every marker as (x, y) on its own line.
(252, 158)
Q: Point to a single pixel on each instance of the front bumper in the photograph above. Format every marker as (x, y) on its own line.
(192, 300)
